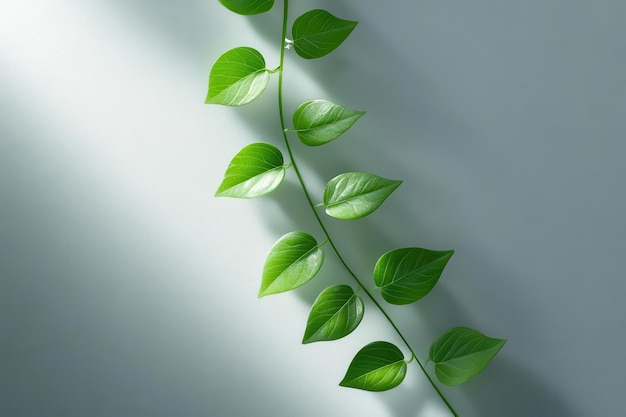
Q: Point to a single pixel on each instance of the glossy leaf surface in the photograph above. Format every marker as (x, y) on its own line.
(379, 366)
(293, 261)
(255, 171)
(408, 274)
(238, 77)
(337, 311)
(248, 7)
(317, 33)
(356, 194)
(320, 121)
(461, 353)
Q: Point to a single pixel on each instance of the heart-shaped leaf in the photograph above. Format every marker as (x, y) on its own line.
(337, 311)
(356, 194)
(461, 353)
(256, 170)
(379, 366)
(406, 275)
(248, 7)
(320, 121)
(237, 77)
(293, 261)
(317, 33)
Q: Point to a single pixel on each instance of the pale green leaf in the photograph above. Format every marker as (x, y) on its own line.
(237, 77)
(461, 353)
(256, 170)
(408, 274)
(293, 261)
(320, 121)
(337, 311)
(317, 33)
(379, 366)
(356, 194)
(248, 7)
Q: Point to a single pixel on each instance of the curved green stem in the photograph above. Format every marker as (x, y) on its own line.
(319, 219)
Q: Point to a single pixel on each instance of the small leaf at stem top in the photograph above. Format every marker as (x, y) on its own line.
(317, 33)
(408, 274)
(293, 261)
(238, 77)
(248, 7)
(320, 121)
(353, 195)
(336, 312)
(255, 171)
(461, 353)
(379, 366)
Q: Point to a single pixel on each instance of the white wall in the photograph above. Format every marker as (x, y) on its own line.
(126, 289)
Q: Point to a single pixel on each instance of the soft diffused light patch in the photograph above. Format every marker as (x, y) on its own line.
(115, 98)
(141, 299)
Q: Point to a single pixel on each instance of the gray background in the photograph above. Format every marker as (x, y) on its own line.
(126, 289)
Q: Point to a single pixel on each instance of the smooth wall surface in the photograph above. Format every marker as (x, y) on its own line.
(126, 289)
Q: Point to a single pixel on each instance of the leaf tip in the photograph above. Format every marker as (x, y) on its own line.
(210, 98)
(345, 383)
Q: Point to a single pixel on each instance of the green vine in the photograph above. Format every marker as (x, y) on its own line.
(403, 275)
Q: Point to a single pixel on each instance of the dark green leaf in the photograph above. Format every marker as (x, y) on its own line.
(255, 171)
(237, 77)
(379, 366)
(248, 7)
(406, 275)
(320, 121)
(335, 314)
(356, 194)
(461, 353)
(317, 33)
(293, 261)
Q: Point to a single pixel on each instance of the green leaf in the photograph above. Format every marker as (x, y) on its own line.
(379, 366)
(317, 33)
(256, 170)
(293, 261)
(320, 121)
(356, 194)
(337, 311)
(461, 353)
(406, 275)
(248, 7)
(237, 77)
